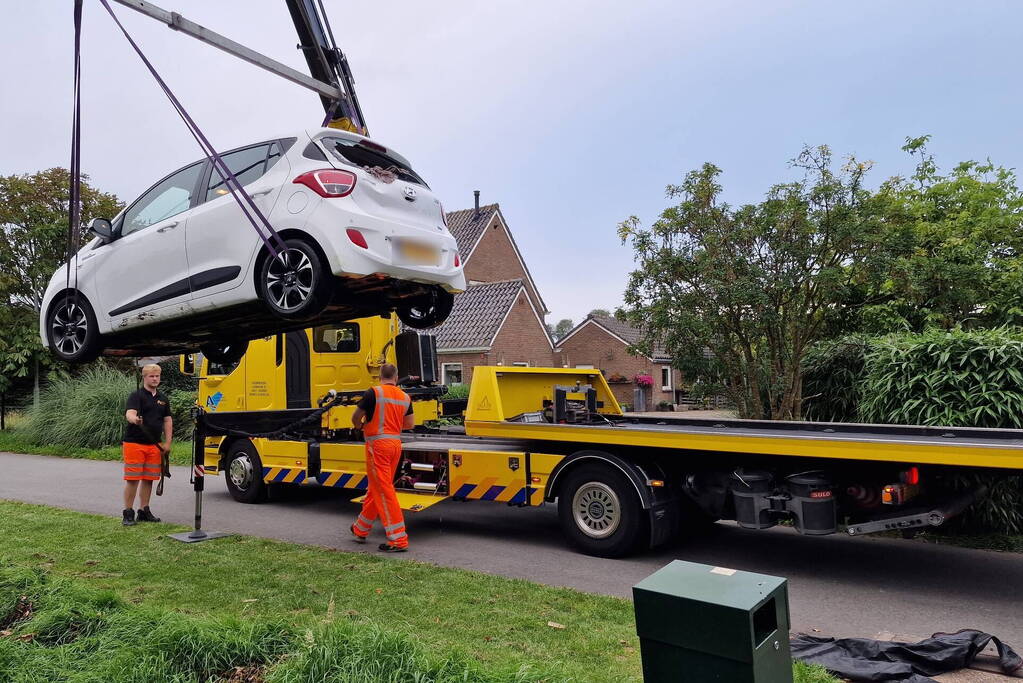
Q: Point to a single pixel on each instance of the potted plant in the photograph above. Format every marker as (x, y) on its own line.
(643, 380)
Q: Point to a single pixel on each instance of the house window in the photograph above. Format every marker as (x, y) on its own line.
(665, 378)
(343, 338)
(451, 373)
(521, 364)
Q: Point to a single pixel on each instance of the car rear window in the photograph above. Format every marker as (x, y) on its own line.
(369, 155)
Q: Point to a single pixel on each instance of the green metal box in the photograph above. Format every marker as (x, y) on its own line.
(699, 623)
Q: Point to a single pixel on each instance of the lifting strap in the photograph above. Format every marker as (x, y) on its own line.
(75, 179)
(256, 218)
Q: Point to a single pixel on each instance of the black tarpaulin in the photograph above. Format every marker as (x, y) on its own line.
(862, 659)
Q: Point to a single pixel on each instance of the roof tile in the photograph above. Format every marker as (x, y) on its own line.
(477, 315)
(467, 229)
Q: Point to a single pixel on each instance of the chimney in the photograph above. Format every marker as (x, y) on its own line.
(476, 213)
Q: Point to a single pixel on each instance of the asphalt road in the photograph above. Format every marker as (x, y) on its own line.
(838, 585)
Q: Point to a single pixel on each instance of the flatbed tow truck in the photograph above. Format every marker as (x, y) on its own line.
(536, 436)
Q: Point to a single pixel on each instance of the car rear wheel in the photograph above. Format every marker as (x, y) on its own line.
(296, 283)
(227, 353)
(72, 331)
(429, 312)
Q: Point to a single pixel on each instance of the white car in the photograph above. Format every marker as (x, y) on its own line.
(181, 268)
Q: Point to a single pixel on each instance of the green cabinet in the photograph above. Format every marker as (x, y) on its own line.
(699, 623)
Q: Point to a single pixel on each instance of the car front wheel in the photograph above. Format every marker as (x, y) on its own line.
(428, 312)
(296, 283)
(72, 330)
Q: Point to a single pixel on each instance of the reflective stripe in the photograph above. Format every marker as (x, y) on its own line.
(397, 537)
(375, 437)
(394, 527)
(381, 411)
(362, 518)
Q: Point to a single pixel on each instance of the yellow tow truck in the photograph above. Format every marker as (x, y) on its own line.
(534, 436)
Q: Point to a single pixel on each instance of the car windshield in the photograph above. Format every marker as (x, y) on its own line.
(370, 155)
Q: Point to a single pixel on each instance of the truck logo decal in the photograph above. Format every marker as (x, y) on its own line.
(213, 401)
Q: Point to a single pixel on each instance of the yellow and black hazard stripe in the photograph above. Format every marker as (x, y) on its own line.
(515, 493)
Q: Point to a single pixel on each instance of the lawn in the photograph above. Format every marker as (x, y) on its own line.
(495, 623)
(10, 441)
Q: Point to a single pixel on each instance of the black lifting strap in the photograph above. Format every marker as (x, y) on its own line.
(75, 180)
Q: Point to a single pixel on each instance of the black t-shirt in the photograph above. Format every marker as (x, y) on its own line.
(152, 409)
(369, 401)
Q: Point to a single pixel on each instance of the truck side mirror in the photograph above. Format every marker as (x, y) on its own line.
(102, 227)
(187, 364)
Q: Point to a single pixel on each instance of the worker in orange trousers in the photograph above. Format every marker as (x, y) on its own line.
(382, 414)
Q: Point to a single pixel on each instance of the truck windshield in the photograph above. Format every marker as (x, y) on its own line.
(369, 155)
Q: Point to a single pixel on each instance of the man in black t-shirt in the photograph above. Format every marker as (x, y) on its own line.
(149, 418)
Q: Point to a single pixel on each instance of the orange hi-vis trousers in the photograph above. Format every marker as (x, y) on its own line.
(383, 454)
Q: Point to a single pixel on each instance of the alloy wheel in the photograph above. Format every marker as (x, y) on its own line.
(69, 328)
(289, 279)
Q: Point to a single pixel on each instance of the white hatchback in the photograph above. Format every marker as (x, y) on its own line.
(181, 268)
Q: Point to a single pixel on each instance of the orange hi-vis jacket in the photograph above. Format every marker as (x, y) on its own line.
(388, 414)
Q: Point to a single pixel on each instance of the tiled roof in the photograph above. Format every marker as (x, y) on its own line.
(630, 334)
(467, 229)
(477, 315)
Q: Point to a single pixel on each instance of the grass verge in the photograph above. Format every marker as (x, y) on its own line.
(11, 441)
(447, 615)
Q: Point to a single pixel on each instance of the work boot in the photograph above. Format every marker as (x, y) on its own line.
(128, 517)
(358, 538)
(146, 516)
(388, 548)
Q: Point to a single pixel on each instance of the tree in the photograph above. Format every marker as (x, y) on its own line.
(755, 285)
(599, 313)
(960, 247)
(33, 244)
(561, 329)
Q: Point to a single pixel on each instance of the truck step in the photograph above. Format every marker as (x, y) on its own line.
(412, 502)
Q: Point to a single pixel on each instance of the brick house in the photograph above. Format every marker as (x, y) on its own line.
(603, 343)
(500, 318)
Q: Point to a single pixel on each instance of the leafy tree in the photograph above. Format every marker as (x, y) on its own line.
(755, 285)
(959, 239)
(33, 244)
(599, 312)
(561, 329)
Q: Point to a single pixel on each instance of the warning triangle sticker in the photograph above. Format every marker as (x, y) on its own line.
(484, 404)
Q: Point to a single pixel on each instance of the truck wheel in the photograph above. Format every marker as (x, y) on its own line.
(600, 512)
(245, 473)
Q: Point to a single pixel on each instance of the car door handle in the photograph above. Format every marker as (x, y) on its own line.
(169, 226)
(260, 193)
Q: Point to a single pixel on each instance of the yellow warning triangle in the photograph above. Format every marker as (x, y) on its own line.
(484, 404)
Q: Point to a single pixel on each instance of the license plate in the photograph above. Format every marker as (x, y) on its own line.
(417, 253)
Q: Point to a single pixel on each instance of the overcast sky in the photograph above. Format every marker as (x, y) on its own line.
(573, 115)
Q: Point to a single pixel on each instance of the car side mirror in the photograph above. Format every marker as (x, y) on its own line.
(102, 227)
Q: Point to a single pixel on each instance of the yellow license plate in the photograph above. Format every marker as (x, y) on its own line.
(416, 253)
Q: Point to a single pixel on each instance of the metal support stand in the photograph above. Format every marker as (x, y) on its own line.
(198, 483)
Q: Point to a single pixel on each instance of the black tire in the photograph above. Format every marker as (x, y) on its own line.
(243, 473)
(71, 329)
(226, 353)
(428, 312)
(296, 283)
(600, 512)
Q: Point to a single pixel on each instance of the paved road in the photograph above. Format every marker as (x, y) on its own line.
(838, 585)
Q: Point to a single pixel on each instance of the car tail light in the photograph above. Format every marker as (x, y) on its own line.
(458, 260)
(911, 476)
(357, 238)
(328, 182)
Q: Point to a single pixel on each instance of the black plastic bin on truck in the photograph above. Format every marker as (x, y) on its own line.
(699, 623)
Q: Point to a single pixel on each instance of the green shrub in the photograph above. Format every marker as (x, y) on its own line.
(831, 373)
(951, 379)
(85, 411)
(457, 391)
(171, 378)
(181, 402)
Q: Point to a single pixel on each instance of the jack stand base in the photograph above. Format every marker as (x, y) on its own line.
(197, 536)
